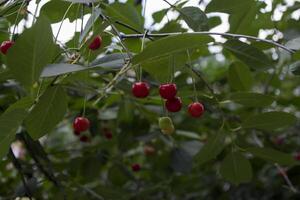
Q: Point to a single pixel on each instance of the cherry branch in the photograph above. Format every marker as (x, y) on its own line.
(232, 35)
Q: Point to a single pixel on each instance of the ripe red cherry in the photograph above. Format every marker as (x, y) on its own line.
(84, 138)
(297, 157)
(196, 109)
(174, 105)
(168, 90)
(81, 124)
(96, 43)
(136, 167)
(5, 46)
(140, 89)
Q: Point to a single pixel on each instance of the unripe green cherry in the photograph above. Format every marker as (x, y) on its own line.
(165, 122)
(168, 131)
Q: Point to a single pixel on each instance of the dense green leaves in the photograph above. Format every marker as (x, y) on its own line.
(195, 18)
(212, 148)
(249, 54)
(236, 168)
(34, 50)
(251, 99)
(240, 77)
(171, 45)
(273, 155)
(270, 121)
(49, 111)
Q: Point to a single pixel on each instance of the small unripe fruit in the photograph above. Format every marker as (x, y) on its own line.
(81, 124)
(196, 109)
(140, 89)
(166, 125)
(96, 43)
(5, 46)
(168, 90)
(149, 150)
(174, 105)
(136, 167)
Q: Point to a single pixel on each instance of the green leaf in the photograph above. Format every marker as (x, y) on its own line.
(83, 1)
(212, 148)
(270, 121)
(251, 99)
(240, 77)
(34, 49)
(195, 18)
(295, 67)
(93, 18)
(111, 61)
(236, 168)
(125, 13)
(248, 54)
(273, 155)
(49, 111)
(171, 45)
(10, 121)
(242, 13)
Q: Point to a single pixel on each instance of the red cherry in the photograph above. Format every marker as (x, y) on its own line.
(84, 138)
(5, 46)
(77, 133)
(96, 43)
(297, 156)
(108, 135)
(136, 167)
(168, 90)
(196, 109)
(140, 89)
(174, 105)
(81, 124)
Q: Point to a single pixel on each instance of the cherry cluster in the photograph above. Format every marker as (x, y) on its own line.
(168, 92)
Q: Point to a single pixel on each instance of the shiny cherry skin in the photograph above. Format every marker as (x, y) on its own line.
(81, 124)
(140, 89)
(168, 90)
(174, 105)
(5, 46)
(136, 167)
(96, 43)
(196, 109)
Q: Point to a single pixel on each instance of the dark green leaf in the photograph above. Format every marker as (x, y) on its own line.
(236, 168)
(273, 155)
(195, 18)
(249, 54)
(270, 121)
(34, 50)
(252, 99)
(240, 77)
(49, 111)
(212, 148)
(170, 45)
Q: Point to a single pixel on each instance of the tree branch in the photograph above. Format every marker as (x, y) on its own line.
(231, 35)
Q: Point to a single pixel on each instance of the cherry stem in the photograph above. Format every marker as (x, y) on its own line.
(62, 21)
(22, 5)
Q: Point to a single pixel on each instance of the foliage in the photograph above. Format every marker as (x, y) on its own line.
(243, 147)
